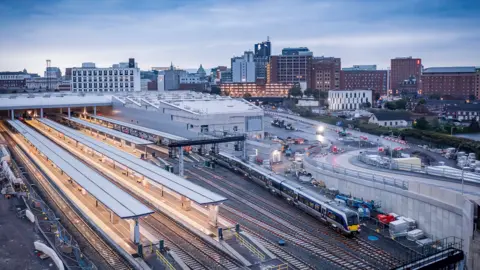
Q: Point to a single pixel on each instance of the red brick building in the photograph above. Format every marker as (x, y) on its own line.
(290, 69)
(477, 84)
(326, 73)
(454, 81)
(402, 69)
(375, 80)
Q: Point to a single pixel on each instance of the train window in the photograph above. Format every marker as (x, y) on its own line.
(317, 207)
(352, 219)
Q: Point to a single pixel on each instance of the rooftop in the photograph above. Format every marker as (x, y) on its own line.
(158, 175)
(212, 106)
(449, 70)
(52, 100)
(474, 107)
(109, 131)
(114, 198)
(384, 115)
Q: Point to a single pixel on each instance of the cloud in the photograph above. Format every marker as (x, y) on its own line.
(210, 32)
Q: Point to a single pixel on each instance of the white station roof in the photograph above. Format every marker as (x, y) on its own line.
(140, 128)
(109, 131)
(171, 181)
(213, 106)
(52, 100)
(117, 200)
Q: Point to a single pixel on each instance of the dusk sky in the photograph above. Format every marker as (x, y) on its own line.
(194, 32)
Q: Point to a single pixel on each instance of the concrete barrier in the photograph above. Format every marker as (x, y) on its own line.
(50, 252)
(438, 211)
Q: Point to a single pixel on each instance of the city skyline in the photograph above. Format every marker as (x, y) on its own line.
(190, 33)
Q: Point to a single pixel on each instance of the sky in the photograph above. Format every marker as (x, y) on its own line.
(210, 32)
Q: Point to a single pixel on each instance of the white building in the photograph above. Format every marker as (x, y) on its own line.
(42, 83)
(197, 112)
(243, 68)
(348, 99)
(118, 78)
(395, 119)
(161, 82)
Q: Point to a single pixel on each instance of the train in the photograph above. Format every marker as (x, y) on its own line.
(338, 216)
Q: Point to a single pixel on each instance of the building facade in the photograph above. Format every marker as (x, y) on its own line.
(453, 81)
(44, 83)
(243, 68)
(462, 112)
(477, 83)
(295, 51)
(263, 51)
(348, 99)
(290, 68)
(256, 90)
(364, 77)
(199, 77)
(123, 77)
(172, 77)
(326, 73)
(53, 72)
(404, 68)
(17, 80)
(391, 119)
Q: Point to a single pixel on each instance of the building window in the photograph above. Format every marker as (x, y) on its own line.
(115, 72)
(131, 72)
(384, 123)
(131, 78)
(74, 72)
(105, 72)
(84, 85)
(95, 73)
(121, 72)
(110, 72)
(390, 123)
(95, 85)
(74, 85)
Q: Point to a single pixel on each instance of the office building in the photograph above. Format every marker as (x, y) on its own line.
(13, 80)
(53, 72)
(348, 99)
(325, 73)
(364, 77)
(290, 68)
(477, 83)
(243, 68)
(216, 74)
(361, 67)
(295, 51)
(172, 78)
(453, 81)
(226, 76)
(194, 78)
(263, 51)
(405, 68)
(123, 77)
(256, 89)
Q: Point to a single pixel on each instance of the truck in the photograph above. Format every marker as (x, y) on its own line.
(278, 123)
(289, 126)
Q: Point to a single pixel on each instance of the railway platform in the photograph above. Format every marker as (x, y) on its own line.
(96, 205)
(196, 217)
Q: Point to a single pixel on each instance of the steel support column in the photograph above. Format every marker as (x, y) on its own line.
(94, 110)
(69, 112)
(134, 231)
(41, 112)
(180, 161)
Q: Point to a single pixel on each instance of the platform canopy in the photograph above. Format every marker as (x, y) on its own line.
(156, 174)
(109, 131)
(114, 198)
(139, 128)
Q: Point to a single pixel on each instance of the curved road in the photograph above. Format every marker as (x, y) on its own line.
(343, 160)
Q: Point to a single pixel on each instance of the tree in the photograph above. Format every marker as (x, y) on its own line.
(295, 92)
(421, 101)
(434, 96)
(376, 96)
(420, 108)
(472, 97)
(215, 90)
(474, 126)
(421, 123)
(400, 104)
(308, 92)
(391, 105)
(247, 95)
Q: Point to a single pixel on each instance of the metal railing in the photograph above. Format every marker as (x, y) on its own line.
(358, 174)
(249, 246)
(164, 260)
(451, 173)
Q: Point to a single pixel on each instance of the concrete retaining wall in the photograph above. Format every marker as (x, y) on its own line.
(439, 212)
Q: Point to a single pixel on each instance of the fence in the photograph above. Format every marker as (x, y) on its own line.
(249, 246)
(451, 173)
(360, 175)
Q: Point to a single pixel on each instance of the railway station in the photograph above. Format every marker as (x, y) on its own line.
(91, 192)
(154, 179)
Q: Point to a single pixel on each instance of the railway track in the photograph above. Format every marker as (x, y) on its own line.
(195, 252)
(111, 258)
(313, 244)
(375, 254)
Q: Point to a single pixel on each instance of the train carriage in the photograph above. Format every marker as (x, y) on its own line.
(340, 217)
